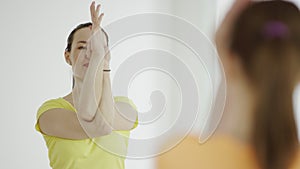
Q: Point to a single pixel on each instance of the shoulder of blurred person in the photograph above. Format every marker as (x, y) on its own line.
(221, 151)
(296, 164)
(218, 152)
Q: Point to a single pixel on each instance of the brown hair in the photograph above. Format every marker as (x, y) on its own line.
(266, 38)
(80, 26)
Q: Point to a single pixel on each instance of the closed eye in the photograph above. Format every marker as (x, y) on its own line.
(81, 47)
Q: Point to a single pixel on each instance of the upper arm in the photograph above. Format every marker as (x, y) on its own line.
(125, 116)
(64, 123)
(61, 123)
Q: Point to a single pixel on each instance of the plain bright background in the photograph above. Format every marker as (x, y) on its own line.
(33, 38)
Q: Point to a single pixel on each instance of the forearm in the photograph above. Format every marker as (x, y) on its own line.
(121, 115)
(94, 118)
(106, 105)
(102, 121)
(90, 93)
(90, 88)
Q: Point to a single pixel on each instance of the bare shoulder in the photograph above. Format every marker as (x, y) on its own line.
(125, 116)
(126, 113)
(296, 164)
(218, 152)
(186, 154)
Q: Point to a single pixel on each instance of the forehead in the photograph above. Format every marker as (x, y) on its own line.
(82, 34)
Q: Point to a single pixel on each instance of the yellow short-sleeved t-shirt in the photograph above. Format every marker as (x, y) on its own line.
(86, 153)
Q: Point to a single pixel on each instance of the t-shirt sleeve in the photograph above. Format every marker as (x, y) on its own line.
(130, 102)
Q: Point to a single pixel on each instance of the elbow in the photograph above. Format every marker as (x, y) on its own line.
(101, 127)
(86, 117)
(104, 129)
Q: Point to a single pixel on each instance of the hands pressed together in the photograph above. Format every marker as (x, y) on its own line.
(96, 19)
(92, 92)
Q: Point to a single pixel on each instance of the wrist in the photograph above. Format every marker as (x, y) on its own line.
(106, 64)
(95, 29)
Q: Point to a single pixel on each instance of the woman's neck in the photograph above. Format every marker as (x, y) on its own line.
(237, 117)
(69, 98)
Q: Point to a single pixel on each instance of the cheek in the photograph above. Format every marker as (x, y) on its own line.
(74, 56)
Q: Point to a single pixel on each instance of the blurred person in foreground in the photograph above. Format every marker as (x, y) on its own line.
(259, 45)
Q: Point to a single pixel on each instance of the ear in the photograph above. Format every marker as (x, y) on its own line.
(67, 57)
(232, 65)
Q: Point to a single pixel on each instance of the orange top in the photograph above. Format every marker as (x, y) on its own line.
(220, 152)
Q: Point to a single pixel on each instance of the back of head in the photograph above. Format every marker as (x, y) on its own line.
(266, 38)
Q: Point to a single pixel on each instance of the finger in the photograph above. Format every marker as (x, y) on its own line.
(98, 9)
(100, 18)
(92, 9)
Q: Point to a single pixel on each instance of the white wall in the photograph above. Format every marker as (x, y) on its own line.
(195, 14)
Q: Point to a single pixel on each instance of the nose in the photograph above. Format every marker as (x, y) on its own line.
(87, 56)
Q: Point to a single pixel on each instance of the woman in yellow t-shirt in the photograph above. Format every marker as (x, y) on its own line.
(259, 45)
(78, 127)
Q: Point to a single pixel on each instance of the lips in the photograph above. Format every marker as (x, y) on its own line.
(86, 65)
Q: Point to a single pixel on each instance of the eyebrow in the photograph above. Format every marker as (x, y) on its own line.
(81, 41)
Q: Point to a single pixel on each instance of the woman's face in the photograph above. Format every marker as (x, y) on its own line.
(77, 56)
(79, 44)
